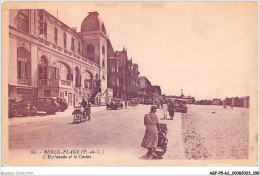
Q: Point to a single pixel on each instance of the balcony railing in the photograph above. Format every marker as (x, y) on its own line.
(87, 90)
(53, 83)
(49, 83)
(65, 82)
(65, 51)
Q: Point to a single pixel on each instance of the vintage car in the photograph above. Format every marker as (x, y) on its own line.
(134, 102)
(115, 103)
(47, 104)
(21, 109)
(181, 105)
(149, 102)
(62, 104)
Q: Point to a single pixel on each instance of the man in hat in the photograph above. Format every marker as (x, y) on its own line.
(150, 139)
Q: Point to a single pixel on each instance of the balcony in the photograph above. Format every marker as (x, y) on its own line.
(48, 83)
(65, 82)
(53, 83)
(65, 51)
(88, 91)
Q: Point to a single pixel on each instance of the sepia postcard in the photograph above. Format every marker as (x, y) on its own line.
(129, 83)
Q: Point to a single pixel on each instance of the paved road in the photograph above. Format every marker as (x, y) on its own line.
(115, 130)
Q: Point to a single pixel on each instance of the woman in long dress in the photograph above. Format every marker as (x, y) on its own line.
(150, 139)
(171, 110)
(165, 110)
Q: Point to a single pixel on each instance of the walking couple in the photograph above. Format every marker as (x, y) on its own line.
(168, 108)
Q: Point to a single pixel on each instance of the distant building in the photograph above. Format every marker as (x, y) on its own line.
(246, 102)
(216, 101)
(237, 102)
(158, 88)
(122, 75)
(204, 102)
(145, 89)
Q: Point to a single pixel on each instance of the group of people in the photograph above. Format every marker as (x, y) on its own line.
(168, 107)
(87, 110)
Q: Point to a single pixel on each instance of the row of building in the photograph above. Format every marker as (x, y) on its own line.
(233, 101)
(47, 58)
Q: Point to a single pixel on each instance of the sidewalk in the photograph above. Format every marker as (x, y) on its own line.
(17, 121)
(175, 148)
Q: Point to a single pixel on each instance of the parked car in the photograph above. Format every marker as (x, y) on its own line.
(148, 102)
(134, 102)
(63, 105)
(181, 106)
(47, 104)
(115, 103)
(21, 109)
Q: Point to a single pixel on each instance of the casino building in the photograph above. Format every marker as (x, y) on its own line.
(47, 58)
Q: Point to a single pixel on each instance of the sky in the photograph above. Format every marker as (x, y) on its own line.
(208, 49)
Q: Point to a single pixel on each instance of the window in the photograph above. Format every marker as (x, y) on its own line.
(90, 49)
(47, 93)
(43, 68)
(45, 28)
(23, 65)
(103, 50)
(72, 44)
(55, 35)
(23, 22)
(61, 94)
(42, 24)
(79, 47)
(103, 63)
(65, 40)
(89, 80)
(113, 83)
(113, 69)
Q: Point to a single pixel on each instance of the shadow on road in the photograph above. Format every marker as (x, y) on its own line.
(73, 123)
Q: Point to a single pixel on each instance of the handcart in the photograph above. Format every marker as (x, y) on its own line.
(79, 115)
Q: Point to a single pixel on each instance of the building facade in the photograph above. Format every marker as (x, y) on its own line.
(217, 101)
(148, 92)
(49, 59)
(122, 75)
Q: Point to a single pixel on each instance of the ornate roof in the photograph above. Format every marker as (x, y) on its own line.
(92, 23)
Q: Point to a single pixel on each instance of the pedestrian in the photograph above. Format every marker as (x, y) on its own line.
(165, 110)
(89, 110)
(126, 104)
(232, 107)
(150, 139)
(84, 105)
(158, 104)
(171, 110)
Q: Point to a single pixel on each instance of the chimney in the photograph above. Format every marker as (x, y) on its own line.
(74, 29)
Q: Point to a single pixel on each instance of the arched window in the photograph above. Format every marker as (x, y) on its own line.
(65, 72)
(23, 66)
(90, 49)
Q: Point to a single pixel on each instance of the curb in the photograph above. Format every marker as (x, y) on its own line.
(27, 123)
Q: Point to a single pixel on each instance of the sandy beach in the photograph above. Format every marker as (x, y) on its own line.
(211, 132)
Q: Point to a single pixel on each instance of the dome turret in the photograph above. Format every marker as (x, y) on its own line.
(92, 23)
